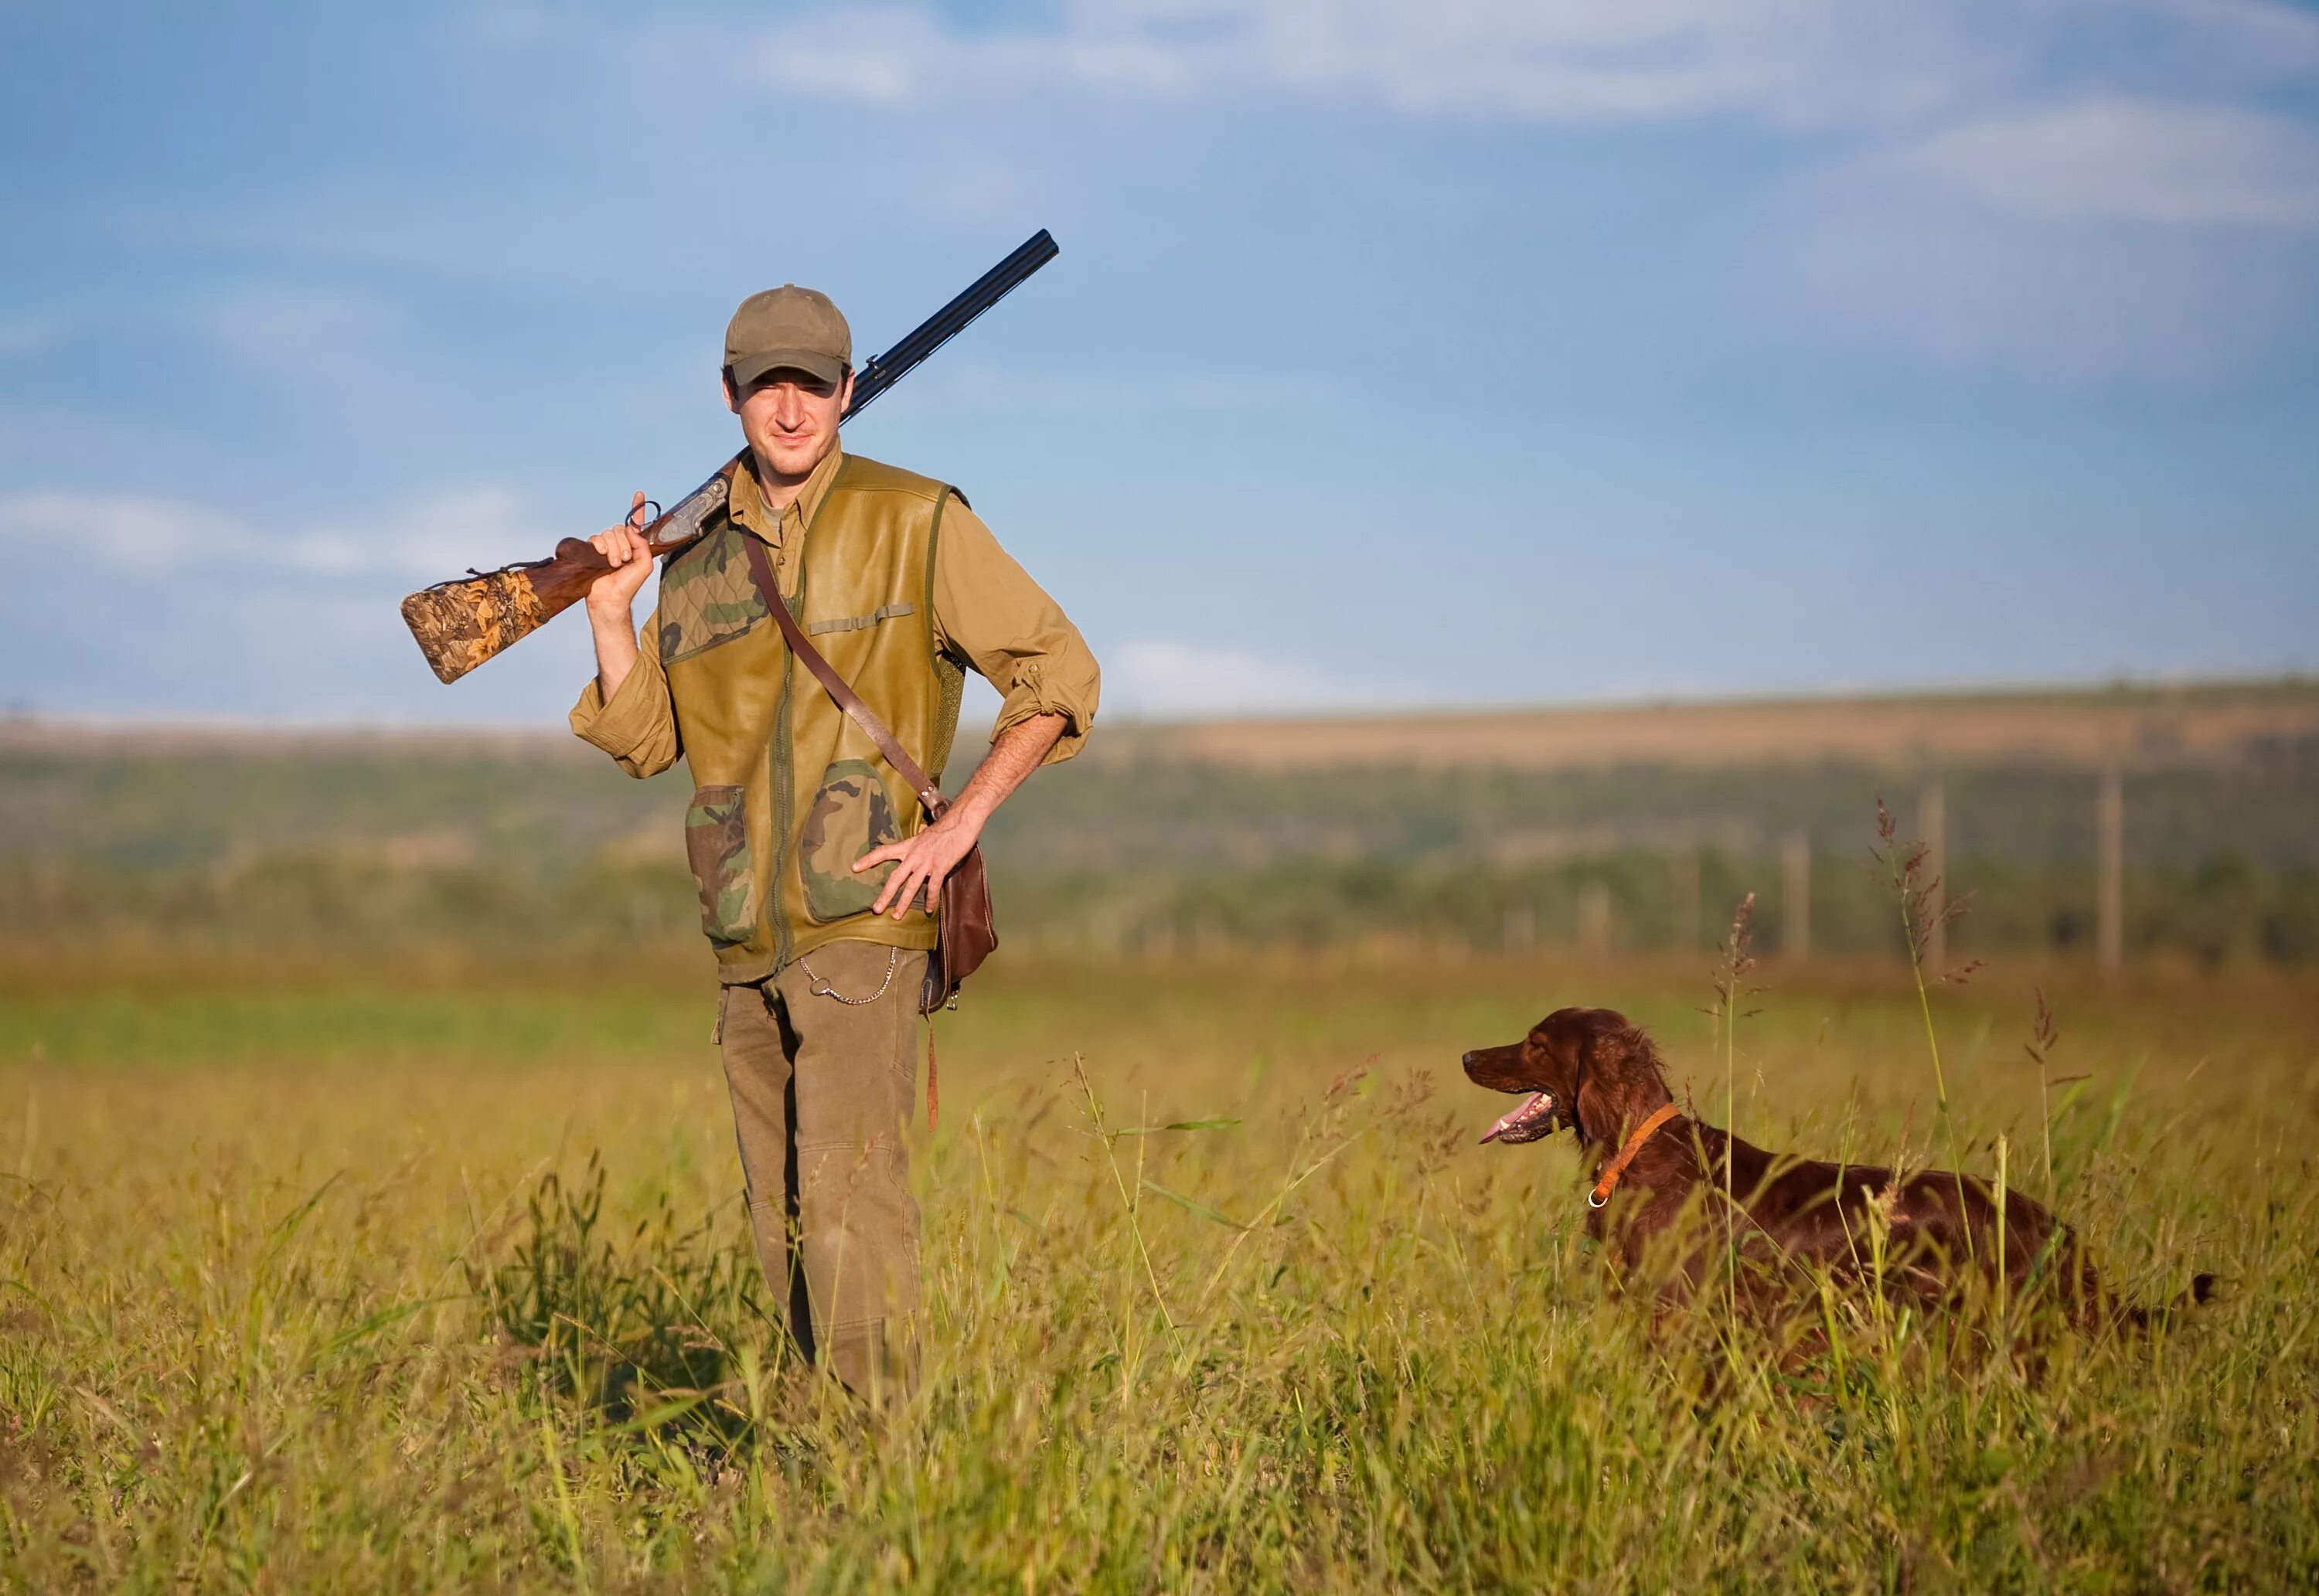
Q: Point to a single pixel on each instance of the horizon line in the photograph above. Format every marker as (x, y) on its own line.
(17, 720)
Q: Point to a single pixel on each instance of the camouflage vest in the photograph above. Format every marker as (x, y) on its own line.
(788, 791)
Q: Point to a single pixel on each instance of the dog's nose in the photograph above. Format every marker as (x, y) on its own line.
(1467, 1060)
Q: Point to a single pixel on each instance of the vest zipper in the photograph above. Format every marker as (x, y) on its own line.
(784, 751)
(783, 943)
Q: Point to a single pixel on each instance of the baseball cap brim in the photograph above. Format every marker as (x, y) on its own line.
(750, 368)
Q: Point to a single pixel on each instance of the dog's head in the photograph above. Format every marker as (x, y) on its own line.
(1589, 1068)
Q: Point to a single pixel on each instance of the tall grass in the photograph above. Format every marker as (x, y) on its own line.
(1735, 963)
(1221, 1297)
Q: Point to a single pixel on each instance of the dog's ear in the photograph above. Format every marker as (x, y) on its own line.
(1595, 1111)
(1616, 1066)
(1599, 1059)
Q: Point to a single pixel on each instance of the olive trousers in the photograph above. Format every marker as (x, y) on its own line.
(822, 1065)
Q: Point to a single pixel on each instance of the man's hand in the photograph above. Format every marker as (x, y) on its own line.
(927, 858)
(632, 561)
(612, 599)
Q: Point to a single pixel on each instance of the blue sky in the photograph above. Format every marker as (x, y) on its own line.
(1398, 353)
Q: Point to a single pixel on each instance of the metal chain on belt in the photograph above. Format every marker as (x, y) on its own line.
(821, 988)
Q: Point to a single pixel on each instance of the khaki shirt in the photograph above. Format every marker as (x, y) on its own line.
(986, 611)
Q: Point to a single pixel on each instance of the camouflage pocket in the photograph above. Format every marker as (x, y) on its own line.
(850, 815)
(717, 842)
(707, 596)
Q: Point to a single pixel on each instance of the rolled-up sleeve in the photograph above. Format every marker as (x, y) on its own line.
(990, 612)
(639, 727)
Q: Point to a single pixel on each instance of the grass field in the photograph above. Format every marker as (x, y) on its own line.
(302, 1287)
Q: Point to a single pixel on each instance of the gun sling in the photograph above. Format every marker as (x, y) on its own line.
(967, 930)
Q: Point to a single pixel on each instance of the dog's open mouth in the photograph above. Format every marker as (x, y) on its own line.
(1532, 1120)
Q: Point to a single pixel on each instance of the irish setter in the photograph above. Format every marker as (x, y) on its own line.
(1593, 1072)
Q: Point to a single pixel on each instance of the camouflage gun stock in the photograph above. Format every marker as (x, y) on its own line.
(461, 623)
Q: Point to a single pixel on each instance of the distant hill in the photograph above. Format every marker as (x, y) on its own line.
(2258, 723)
(2135, 724)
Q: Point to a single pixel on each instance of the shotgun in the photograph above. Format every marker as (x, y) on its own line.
(461, 623)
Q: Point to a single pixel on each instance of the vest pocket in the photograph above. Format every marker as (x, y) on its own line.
(705, 596)
(716, 844)
(850, 815)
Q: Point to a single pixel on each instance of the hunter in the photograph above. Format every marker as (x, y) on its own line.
(818, 870)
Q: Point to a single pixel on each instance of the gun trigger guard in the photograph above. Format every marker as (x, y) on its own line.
(644, 515)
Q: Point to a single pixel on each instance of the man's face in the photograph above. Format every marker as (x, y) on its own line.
(791, 418)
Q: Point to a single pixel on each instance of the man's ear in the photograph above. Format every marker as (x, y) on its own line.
(732, 394)
(845, 393)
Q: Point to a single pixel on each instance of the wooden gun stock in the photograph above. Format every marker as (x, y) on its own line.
(461, 623)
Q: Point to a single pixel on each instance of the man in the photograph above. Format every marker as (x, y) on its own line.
(818, 869)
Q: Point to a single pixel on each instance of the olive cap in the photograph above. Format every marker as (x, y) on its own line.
(787, 327)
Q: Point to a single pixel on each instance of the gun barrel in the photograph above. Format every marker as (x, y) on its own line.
(883, 370)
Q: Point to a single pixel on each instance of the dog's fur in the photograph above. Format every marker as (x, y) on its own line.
(1592, 1071)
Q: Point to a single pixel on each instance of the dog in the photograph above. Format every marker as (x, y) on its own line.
(1594, 1071)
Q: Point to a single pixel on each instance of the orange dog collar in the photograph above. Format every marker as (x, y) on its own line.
(1618, 1166)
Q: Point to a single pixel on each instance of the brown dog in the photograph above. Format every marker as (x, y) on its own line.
(1592, 1071)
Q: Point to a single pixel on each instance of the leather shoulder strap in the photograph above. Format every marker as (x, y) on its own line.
(760, 572)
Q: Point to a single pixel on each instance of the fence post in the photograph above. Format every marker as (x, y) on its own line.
(1795, 895)
(2109, 886)
(1932, 830)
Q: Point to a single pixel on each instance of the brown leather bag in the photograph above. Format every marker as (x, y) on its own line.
(968, 932)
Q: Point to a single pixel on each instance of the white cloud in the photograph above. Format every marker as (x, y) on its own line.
(1162, 678)
(2105, 238)
(125, 529)
(1858, 64)
(433, 538)
(2115, 159)
(438, 536)
(1788, 62)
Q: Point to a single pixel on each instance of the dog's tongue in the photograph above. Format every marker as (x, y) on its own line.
(1537, 1104)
